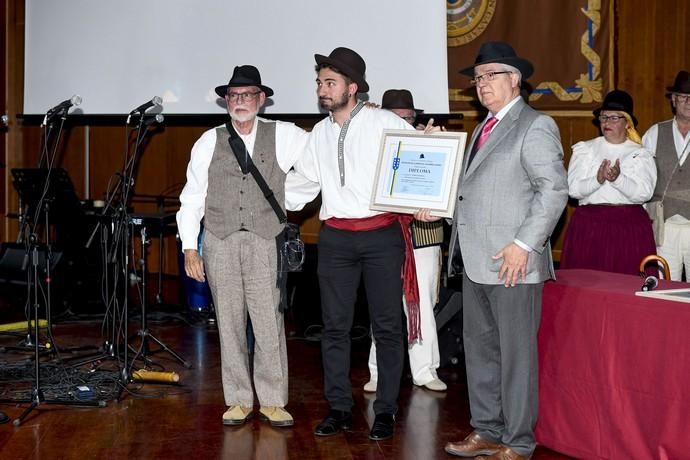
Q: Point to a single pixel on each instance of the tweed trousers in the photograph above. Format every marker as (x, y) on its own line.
(241, 271)
(676, 248)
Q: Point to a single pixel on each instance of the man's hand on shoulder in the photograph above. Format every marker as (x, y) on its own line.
(431, 129)
(514, 264)
(194, 265)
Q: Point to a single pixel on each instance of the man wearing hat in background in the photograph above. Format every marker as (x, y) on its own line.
(512, 192)
(671, 201)
(239, 249)
(355, 242)
(427, 238)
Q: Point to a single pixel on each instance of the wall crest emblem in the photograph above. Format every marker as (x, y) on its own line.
(467, 19)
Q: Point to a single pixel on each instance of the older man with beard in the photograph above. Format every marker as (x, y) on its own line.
(239, 249)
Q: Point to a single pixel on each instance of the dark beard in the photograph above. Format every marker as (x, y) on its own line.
(334, 106)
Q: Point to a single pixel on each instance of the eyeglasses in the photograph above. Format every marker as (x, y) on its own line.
(409, 119)
(685, 98)
(241, 97)
(611, 118)
(488, 76)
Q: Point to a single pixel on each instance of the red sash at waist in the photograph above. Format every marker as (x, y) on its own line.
(364, 224)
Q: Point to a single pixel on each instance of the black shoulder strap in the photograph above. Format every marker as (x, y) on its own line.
(247, 165)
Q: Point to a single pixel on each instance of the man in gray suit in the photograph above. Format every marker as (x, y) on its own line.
(511, 195)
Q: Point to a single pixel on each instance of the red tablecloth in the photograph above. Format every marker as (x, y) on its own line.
(614, 369)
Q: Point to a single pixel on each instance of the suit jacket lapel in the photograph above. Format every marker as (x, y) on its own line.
(468, 149)
(499, 132)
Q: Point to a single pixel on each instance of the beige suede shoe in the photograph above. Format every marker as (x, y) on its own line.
(436, 385)
(237, 415)
(276, 416)
(370, 386)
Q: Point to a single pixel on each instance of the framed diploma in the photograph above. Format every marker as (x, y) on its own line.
(417, 170)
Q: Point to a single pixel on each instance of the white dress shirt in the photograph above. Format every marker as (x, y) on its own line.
(290, 143)
(319, 171)
(502, 113)
(634, 185)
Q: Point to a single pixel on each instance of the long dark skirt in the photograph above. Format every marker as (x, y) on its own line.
(608, 238)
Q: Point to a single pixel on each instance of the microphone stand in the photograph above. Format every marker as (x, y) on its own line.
(32, 238)
(143, 333)
(37, 398)
(115, 262)
(109, 297)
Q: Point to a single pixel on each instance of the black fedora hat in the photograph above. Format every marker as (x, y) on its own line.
(398, 99)
(244, 75)
(349, 63)
(619, 101)
(681, 84)
(501, 53)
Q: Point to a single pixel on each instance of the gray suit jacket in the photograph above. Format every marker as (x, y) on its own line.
(515, 188)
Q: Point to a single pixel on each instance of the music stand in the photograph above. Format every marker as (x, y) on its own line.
(29, 183)
(59, 201)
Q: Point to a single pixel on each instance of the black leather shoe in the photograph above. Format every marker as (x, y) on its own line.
(336, 421)
(384, 427)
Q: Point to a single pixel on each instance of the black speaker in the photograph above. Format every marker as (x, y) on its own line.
(448, 314)
(16, 262)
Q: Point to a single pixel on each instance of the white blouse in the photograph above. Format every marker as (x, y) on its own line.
(634, 185)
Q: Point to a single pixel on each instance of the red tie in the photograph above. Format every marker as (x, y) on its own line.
(486, 130)
(483, 136)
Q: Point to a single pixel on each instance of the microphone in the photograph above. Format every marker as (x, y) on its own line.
(156, 100)
(650, 283)
(157, 118)
(62, 106)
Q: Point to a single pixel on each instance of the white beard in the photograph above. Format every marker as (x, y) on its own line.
(243, 116)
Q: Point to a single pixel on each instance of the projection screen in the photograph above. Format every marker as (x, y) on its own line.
(118, 54)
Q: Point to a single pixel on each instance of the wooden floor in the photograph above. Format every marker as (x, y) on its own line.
(184, 421)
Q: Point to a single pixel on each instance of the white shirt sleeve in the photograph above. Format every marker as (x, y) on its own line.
(302, 184)
(299, 191)
(650, 138)
(291, 142)
(193, 196)
(637, 178)
(582, 172)
(523, 245)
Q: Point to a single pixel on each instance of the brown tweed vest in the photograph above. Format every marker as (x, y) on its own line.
(234, 201)
(677, 197)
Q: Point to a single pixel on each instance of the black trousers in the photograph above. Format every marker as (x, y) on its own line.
(344, 258)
